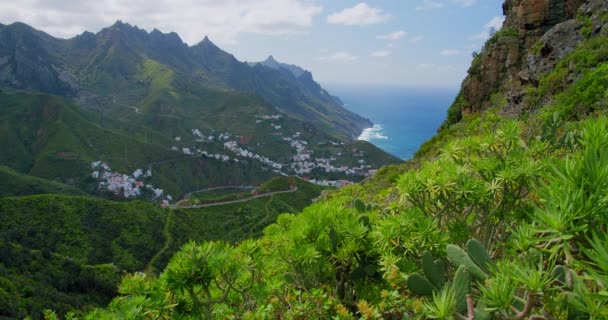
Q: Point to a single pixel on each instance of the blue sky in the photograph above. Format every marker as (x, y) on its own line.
(399, 43)
(434, 49)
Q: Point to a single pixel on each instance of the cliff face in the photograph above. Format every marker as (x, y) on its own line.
(536, 34)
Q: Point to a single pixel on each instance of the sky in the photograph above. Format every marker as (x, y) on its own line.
(396, 43)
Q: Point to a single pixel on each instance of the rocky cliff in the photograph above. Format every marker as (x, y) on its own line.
(535, 36)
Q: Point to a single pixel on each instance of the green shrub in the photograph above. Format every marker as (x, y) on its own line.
(504, 32)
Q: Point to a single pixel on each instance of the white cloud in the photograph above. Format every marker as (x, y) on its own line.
(437, 4)
(341, 56)
(359, 15)
(466, 3)
(393, 35)
(380, 54)
(429, 4)
(449, 52)
(222, 20)
(494, 24)
(416, 39)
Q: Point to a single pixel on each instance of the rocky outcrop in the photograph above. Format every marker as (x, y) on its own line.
(25, 63)
(535, 36)
(562, 39)
(532, 18)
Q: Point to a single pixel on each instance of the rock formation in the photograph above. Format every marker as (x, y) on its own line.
(535, 35)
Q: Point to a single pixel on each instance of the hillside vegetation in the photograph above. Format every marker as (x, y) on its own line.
(68, 253)
(138, 100)
(13, 183)
(503, 215)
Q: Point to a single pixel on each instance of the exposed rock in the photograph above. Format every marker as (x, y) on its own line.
(547, 31)
(555, 45)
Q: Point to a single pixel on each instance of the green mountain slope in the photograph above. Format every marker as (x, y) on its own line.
(49, 138)
(13, 183)
(105, 68)
(54, 139)
(524, 175)
(146, 101)
(68, 253)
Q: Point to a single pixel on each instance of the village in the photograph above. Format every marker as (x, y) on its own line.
(124, 185)
(302, 164)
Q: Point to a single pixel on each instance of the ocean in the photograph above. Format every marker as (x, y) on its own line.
(403, 118)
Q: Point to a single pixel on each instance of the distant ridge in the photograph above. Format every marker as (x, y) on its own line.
(270, 62)
(98, 63)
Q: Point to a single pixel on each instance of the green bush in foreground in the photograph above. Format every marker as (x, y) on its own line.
(334, 261)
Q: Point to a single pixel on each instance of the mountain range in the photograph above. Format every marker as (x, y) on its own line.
(89, 67)
(502, 215)
(140, 100)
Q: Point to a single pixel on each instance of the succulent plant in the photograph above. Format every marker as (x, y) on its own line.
(475, 263)
(479, 255)
(459, 257)
(420, 285)
(434, 270)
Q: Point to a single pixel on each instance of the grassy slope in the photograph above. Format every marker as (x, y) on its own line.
(100, 237)
(67, 252)
(49, 138)
(239, 221)
(477, 161)
(32, 280)
(13, 183)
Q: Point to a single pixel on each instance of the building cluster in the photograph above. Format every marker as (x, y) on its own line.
(234, 147)
(303, 163)
(124, 185)
(268, 117)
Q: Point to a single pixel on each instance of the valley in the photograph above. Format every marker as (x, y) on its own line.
(145, 178)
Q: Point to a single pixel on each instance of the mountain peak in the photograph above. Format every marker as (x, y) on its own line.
(170, 38)
(270, 62)
(119, 23)
(207, 43)
(20, 25)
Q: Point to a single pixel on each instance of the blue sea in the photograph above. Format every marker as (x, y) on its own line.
(403, 118)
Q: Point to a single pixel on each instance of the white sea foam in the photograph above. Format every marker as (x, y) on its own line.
(373, 133)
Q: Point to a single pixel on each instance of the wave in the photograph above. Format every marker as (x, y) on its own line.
(373, 133)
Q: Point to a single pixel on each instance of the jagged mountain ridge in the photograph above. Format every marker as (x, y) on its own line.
(270, 62)
(385, 229)
(33, 60)
(303, 76)
(516, 184)
(145, 94)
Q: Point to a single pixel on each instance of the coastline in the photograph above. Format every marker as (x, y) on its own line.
(373, 133)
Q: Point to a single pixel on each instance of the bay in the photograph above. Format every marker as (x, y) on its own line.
(404, 118)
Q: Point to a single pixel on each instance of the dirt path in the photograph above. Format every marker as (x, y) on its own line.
(149, 269)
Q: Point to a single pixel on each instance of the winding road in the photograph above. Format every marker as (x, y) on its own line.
(294, 189)
(187, 195)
